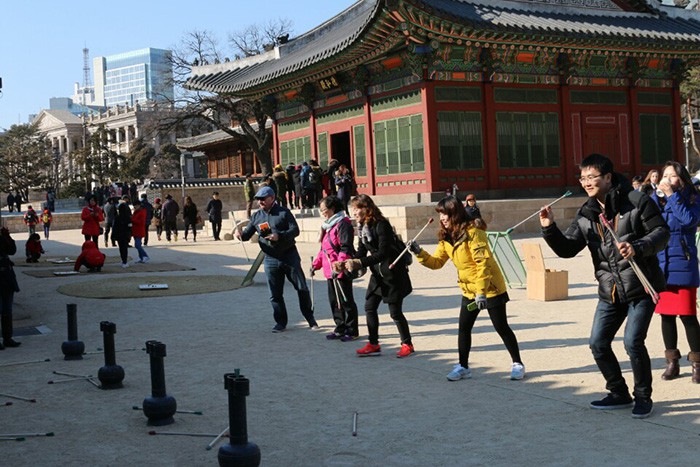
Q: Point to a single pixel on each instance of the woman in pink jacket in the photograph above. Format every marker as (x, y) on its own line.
(337, 236)
(91, 216)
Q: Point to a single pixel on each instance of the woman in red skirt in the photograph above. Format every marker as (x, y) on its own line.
(679, 261)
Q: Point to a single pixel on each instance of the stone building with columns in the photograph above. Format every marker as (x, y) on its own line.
(67, 133)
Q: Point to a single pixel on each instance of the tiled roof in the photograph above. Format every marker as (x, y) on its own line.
(318, 44)
(579, 22)
(669, 27)
(215, 136)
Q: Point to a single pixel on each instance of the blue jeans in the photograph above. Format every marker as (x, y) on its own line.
(290, 267)
(606, 322)
(139, 248)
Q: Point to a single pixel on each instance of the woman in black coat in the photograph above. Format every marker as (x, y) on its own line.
(8, 287)
(122, 229)
(189, 214)
(379, 247)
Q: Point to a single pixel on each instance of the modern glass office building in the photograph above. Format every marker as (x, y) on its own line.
(137, 76)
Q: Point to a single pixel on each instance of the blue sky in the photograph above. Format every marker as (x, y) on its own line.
(41, 41)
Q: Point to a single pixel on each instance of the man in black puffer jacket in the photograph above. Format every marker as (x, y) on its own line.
(643, 233)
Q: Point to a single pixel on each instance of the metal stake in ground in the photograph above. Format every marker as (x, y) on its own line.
(19, 398)
(238, 451)
(72, 348)
(159, 408)
(111, 375)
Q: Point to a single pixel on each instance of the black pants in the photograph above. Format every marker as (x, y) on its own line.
(345, 315)
(108, 229)
(669, 331)
(372, 305)
(216, 229)
(170, 227)
(145, 237)
(500, 323)
(123, 249)
(194, 229)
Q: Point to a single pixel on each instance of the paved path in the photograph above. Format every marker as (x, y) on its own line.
(304, 389)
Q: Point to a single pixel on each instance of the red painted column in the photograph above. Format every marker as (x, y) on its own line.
(678, 151)
(314, 149)
(489, 124)
(634, 134)
(565, 127)
(369, 147)
(431, 143)
(276, 154)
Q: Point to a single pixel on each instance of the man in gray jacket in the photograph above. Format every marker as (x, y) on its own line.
(642, 232)
(277, 229)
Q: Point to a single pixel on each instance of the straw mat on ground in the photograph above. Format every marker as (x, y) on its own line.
(48, 261)
(128, 287)
(114, 269)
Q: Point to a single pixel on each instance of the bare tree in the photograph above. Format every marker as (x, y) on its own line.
(690, 92)
(222, 111)
(254, 39)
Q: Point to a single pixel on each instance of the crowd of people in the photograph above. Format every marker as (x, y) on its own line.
(641, 237)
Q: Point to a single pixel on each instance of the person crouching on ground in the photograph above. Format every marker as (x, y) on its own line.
(337, 237)
(479, 277)
(90, 257)
(277, 228)
(377, 239)
(138, 230)
(621, 294)
(33, 248)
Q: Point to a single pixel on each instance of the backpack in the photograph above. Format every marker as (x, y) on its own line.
(314, 176)
(45, 218)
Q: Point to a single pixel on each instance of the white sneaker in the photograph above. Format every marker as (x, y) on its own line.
(459, 372)
(125, 265)
(145, 259)
(517, 371)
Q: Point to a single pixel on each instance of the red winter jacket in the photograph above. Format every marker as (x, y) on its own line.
(91, 256)
(91, 217)
(138, 223)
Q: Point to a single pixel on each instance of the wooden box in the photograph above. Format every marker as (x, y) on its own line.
(543, 284)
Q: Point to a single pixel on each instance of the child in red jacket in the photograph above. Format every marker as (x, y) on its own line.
(91, 257)
(33, 248)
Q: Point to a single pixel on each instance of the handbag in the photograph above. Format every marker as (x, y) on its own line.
(198, 220)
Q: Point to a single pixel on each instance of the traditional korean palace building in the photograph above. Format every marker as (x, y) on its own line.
(493, 96)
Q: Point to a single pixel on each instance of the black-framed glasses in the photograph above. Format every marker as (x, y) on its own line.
(589, 178)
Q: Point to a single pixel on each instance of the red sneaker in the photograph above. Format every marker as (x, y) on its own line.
(369, 350)
(406, 350)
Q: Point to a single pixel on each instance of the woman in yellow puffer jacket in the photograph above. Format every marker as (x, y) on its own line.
(479, 277)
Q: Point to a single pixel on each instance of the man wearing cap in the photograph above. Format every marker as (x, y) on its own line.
(277, 229)
(214, 208)
(471, 207)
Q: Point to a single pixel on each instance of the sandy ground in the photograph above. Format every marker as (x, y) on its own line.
(305, 389)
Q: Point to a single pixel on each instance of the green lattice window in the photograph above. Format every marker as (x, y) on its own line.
(527, 140)
(399, 145)
(323, 149)
(295, 150)
(457, 94)
(599, 97)
(656, 133)
(358, 133)
(655, 98)
(460, 138)
(525, 96)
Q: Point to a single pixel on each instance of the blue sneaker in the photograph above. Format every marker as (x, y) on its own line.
(517, 371)
(459, 372)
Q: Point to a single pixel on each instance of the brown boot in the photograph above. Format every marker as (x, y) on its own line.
(672, 367)
(694, 358)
